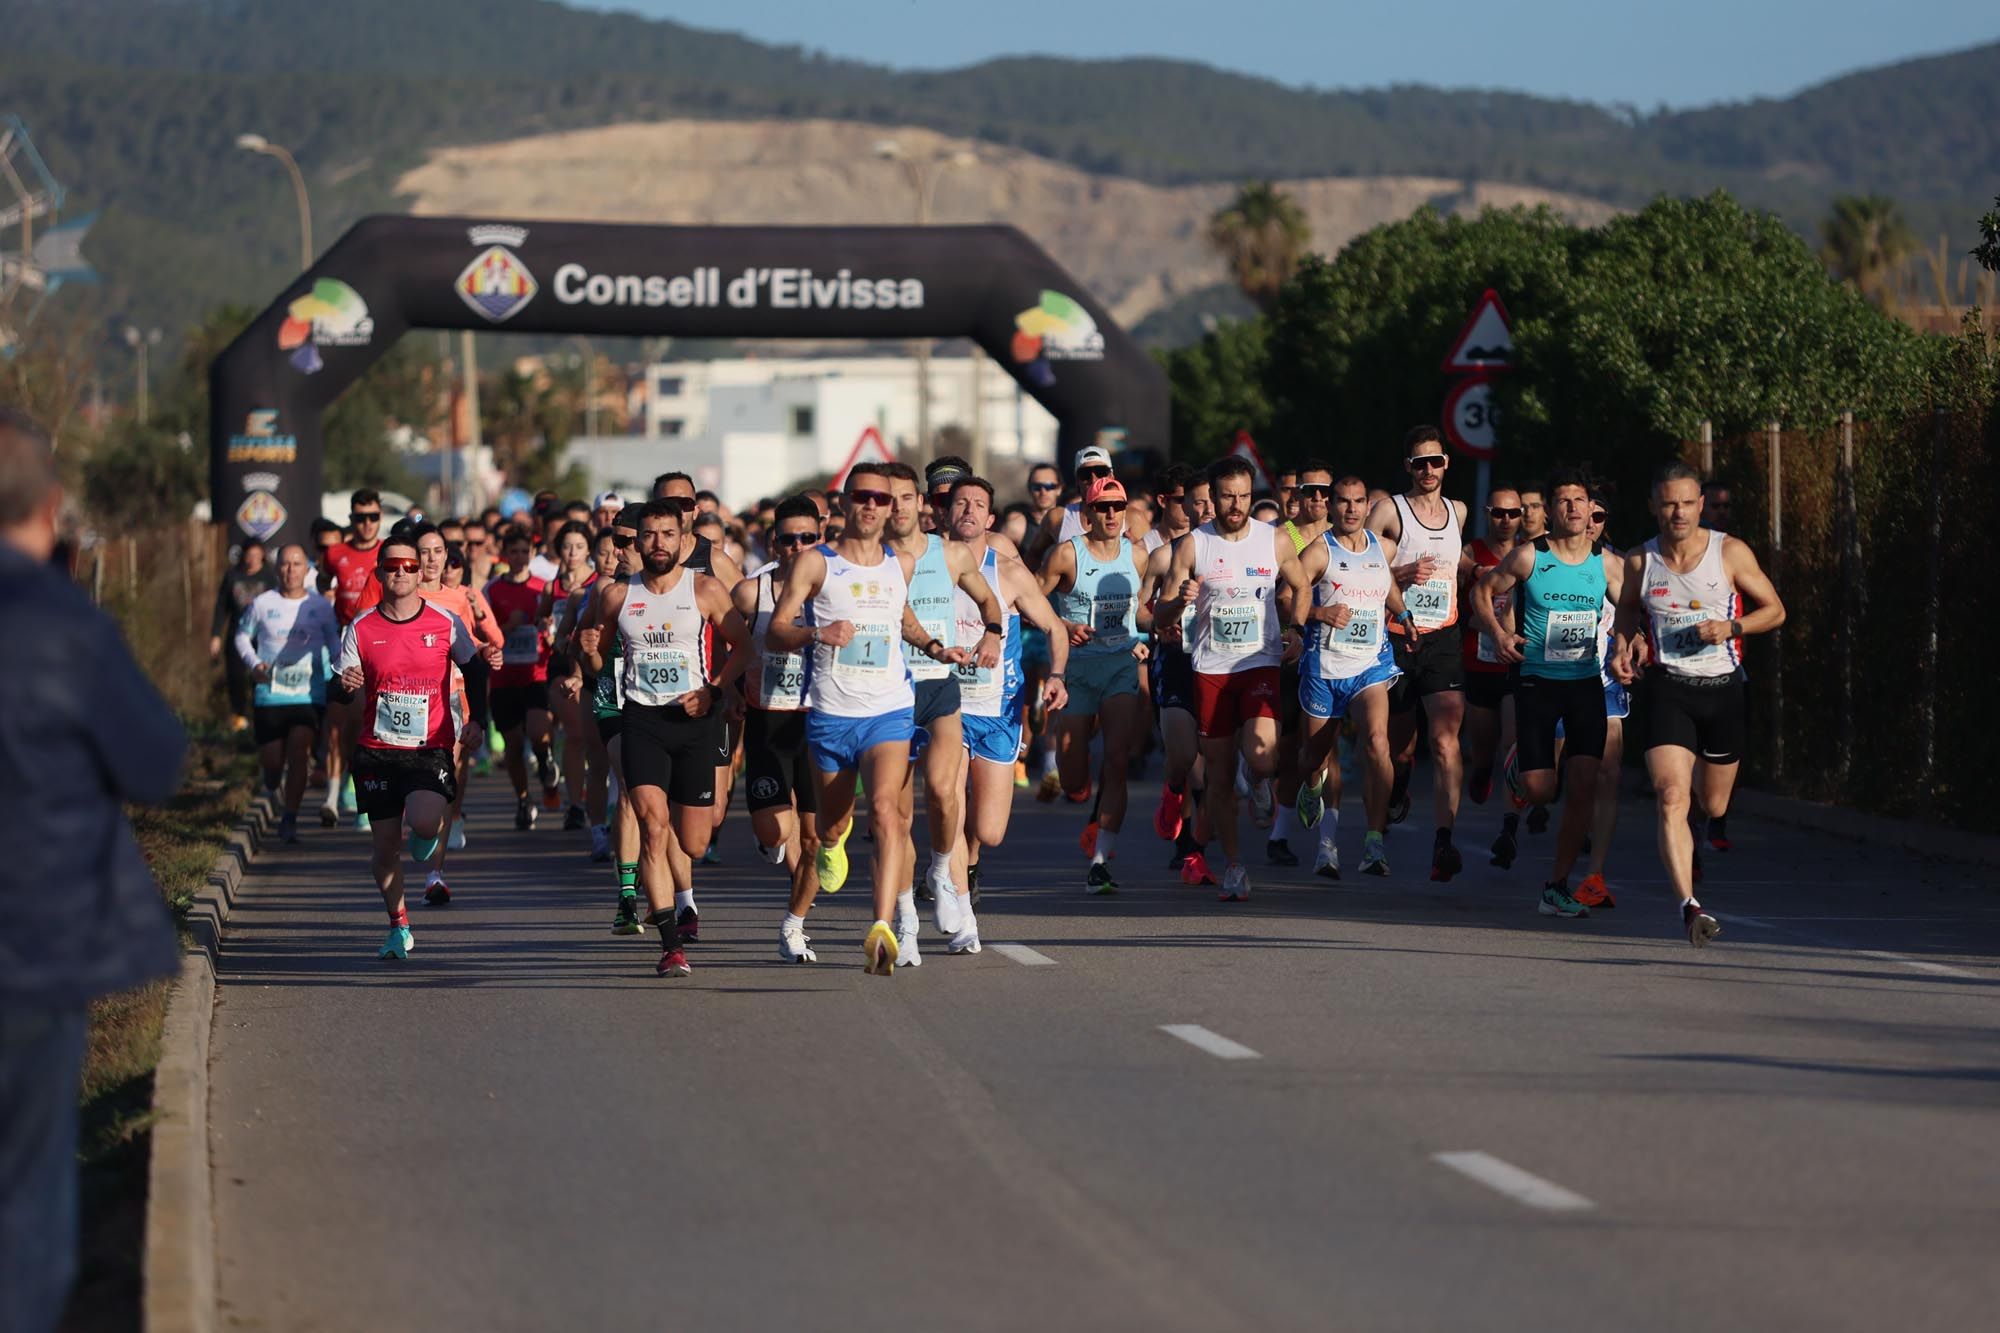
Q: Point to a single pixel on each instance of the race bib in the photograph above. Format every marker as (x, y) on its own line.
(1488, 651)
(1236, 629)
(1680, 639)
(659, 675)
(523, 646)
(402, 720)
(293, 679)
(922, 667)
(1569, 636)
(977, 684)
(866, 655)
(1361, 636)
(1107, 620)
(1429, 602)
(781, 684)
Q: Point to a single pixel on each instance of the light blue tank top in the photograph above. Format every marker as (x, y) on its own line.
(931, 597)
(1103, 597)
(1560, 607)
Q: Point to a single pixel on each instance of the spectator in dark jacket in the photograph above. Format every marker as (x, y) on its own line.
(241, 582)
(82, 731)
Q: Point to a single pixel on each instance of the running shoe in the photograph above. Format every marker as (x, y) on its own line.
(1481, 786)
(1594, 892)
(1399, 806)
(1538, 820)
(713, 855)
(1326, 861)
(525, 814)
(362, 822)
(1279, 852)
(794, 946)
(545, 771)
(673, 963)
(1235, 885)
(907, 953)
(600, 842)
(1556, 901)
(574, 819)
(436, 892)
(329, 814)
(399, 943)
(1088, 839)
(832, 861)
(456, 842)
(687, 924)
(1311, 805)
(422, 849)
(1263, 803)
(1445, 858)
(1195, 871)
(972, 884)
(1700, 926)
(1021, 774)
(1051, 787)
(626, 920)
(552, 799)
(879, 951)
(347, 802)
(1098, 879)
(1510, 776)
(288, 826)
(966, 938)
(1718, 833)
(1505, 848)
(1374, 854)
(944, 902)
(1167, 814)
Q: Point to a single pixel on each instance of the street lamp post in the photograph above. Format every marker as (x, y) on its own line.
(257, 143)
(924, 176)
(143, 343)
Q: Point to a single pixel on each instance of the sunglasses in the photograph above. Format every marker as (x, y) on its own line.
(785, 539)
(400, 566)
(1497, 511)
(1092, 473)
(1313, 491)
(1426, 461)
(878, 499)
(1598, 517)
(1044, 485)
(680, 502)
(365, 516)
(1109, 507)
(1173, 497)
(624, 540)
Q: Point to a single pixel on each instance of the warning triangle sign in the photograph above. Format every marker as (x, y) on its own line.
(1486, 343)
(868, 447)
(1245, 447)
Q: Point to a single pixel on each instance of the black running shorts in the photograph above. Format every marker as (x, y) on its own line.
(384, 779)
(275, 722)
(1485, 689)
(510, 704)
(1703, 714)
(665, 748)
(1173, 680)
(1542, 701)
(1435, 665)
(777, 766)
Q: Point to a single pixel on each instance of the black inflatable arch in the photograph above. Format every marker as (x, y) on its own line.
(391, 274)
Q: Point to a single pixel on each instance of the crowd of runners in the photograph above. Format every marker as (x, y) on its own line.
(820, 652)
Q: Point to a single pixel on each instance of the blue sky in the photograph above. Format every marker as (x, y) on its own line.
(1677, 52)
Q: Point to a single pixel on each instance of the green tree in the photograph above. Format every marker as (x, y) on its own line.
(400, 390)
(1864, 240)
(1261, 235)
(1217, 388)
(136, 477)
(1988, 250)
(529, 419)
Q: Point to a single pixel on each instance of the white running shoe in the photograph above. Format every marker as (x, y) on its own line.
(794, 946)
(1263, 803)
(1235, 884)
(966, 938)
(906, 940)
(944, 903)
(456, 842)
(1326, 861)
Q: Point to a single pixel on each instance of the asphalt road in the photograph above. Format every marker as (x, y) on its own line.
(1395, 1104)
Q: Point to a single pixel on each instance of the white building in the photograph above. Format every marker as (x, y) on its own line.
(753, 427)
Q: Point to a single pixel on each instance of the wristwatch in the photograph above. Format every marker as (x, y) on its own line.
(995, 630)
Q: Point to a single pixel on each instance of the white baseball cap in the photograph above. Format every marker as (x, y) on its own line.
(609, 500)
(1094, 455)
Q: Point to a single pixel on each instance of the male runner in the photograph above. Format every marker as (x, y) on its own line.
(598, 646)
(1534, 514)
(1687, 587)
(355, 586)
(990, 697)
(1094, 579)
(397, 657)
(1427, 530)
(937, 570)
(1305, 500)
(669, 619)
(1591, 890)
(469, 685)
(1231, 569)
(1181, 817)
(520, 694)
(1489, 687)
(287, 639)
(1563, 579)
(1349, 669)
(703, 556)
(1716, 515)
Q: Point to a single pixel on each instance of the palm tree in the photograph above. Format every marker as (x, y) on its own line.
(1864, 241)
(1261, 235)
(1988, 253)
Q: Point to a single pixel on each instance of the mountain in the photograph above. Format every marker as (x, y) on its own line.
(137, 104)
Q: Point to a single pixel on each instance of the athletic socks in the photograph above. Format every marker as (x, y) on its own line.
(1281, 822)
(792, 921)
(1107, 846)
(400, 917)
(683, 899)
(628, 877)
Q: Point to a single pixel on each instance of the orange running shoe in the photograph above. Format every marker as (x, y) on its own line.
(1594, 892)
(1088, 840)
(1194, 870)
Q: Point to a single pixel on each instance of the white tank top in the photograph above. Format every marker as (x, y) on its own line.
(1360, 581)
(988, 691)
(1236, 614)
(1676, 605)
(867, 676)
(778, 680)
(1072, 523)
(665, 640)
(1433, 603)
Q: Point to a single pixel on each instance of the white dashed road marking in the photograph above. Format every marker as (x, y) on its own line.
(1935, 969)
(1520, 1186)
(1217, 1045)
(1023, 955)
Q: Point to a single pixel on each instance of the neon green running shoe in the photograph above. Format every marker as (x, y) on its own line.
(398, 944)
(1311, 805)
(832, 862)
(1374, 855)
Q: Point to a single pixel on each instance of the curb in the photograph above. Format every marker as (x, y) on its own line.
(1930, 840)
(179, 1262)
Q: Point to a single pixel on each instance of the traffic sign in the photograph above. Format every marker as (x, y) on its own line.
(1469, 416)
(1486, 344)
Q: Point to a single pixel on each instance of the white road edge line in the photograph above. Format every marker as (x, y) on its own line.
(1754, 922)
(1935, 969)
(1023, 955)
(1217, 1045)
(1510, 1180)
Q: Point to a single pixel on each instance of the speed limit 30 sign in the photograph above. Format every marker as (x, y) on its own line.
(1469, 416)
